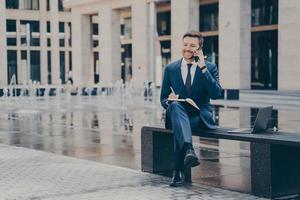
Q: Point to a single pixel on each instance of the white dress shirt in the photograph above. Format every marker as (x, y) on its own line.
(184, 71)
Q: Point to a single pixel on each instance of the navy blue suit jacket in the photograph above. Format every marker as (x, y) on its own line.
(205, 86)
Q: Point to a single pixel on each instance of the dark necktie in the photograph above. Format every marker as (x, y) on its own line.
(188, 81)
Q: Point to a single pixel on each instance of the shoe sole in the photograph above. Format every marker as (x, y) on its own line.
(191, 162)
(177, 185)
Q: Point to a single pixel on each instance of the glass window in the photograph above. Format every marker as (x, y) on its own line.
(11, 41)
(61, 27)
(165, 53)
(48, 5)
(35, 42)
(264, 48)
(164, 23)
(209, 17)
(95, 43)
(48, 27)
(264, 12)
(23, 41)
(11, 25)
(122, 29)
(35, 70)
(70, 27)
(60, 5)
(95, 29)
(48, 42)
(34, 25)
(126, 28)
(126, 67)
(70, 61)
(70, 42)
(12, 4)
(31, 4)
(70, 38)
(49, 67)
(96, 67)
(211, 49)
(23, 55)
(12, 66)
(62, 66)
(61, 42)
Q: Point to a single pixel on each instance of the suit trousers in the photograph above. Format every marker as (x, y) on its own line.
(182, 122)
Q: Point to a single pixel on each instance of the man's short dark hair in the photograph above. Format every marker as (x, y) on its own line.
(195, 34)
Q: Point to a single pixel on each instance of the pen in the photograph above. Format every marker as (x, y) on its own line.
(172, 90)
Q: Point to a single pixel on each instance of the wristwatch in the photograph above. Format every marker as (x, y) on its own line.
(203, 67)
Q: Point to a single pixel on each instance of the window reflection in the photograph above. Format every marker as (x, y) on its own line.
(165, 52)
(209, 17)
(264, 12)
(35, 66)
(164, 23)
(62, 67)
(11, 25)
(126, 65)
(12, 65)
(12, 4)
(126, 30)
(264, 60)
(211, 49)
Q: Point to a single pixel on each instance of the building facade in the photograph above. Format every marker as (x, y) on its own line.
(255, 43)
(49, 52)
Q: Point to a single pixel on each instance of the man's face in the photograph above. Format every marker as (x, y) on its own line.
(190, 45)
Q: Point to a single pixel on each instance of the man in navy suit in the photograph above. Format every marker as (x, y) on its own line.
(195, 78)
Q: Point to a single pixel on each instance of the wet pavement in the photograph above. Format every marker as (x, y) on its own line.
(106, 129)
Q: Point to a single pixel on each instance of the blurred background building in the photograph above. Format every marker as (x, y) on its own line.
(255, 43)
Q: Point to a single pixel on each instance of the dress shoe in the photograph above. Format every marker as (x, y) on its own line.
(177, 179)
(191, 159)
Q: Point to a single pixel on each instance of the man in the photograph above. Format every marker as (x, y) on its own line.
(195, 78)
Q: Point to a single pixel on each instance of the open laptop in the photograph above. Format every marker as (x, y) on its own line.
(260, 122)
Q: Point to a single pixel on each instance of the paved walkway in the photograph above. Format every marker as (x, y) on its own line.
(34, 175)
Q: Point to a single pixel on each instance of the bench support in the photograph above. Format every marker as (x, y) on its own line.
(157, 153)
(275, 169)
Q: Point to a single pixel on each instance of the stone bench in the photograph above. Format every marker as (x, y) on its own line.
(275, 157)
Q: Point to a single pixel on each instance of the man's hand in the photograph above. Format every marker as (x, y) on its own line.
(173, 96)
(199, 54)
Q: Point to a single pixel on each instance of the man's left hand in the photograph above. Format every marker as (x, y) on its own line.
(201, 62)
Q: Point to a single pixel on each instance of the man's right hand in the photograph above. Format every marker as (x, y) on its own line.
(173, 96)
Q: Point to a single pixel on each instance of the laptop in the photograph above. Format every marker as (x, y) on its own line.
(260, 123)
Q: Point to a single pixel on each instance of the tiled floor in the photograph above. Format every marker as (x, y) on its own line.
(29, 174)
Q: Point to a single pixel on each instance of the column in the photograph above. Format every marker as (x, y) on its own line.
(140, 43)
(55, 61)
(109, 46)
(82, 49)
(67, 62)
(43, 39)
(3, 49)
(289, 45)
(184, 17)
(235, 44)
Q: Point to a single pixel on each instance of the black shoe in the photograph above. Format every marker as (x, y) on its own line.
(190, 159)
(177, 179)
